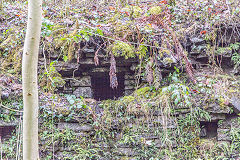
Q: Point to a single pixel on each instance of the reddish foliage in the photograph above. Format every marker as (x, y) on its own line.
(203, 32)
(164, 2)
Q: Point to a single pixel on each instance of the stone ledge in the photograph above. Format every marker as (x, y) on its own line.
(6, 124)
(84, 81)
(75, 127)
(85, 92)
(229, 123)
(223, 135)
(125, 151)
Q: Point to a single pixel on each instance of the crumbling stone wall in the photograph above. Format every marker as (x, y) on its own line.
(79, 76)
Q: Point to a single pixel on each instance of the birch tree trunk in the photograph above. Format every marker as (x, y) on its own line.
(29, 79)
(1, 4)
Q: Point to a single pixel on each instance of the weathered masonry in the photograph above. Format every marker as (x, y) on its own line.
(88, 80)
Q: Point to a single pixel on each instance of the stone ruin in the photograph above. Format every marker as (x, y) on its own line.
(84, 78)
(92, 81)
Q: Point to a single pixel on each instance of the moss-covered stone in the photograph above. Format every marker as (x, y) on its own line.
(156, 10)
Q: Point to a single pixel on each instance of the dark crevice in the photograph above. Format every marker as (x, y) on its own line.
(101, 86)
(208, 129)
(6, 131)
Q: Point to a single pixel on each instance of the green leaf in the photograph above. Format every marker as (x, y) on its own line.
(62, 39)
(75, 39)
(86, 37)
(100, 32)
(176, 101)
(65, 58)
(78, 36)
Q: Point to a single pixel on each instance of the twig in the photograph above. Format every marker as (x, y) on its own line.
(10, 108)
(45, 65)
(120, 40)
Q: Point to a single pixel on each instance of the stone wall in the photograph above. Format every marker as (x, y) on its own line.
(219, 130)
(226, 123)
(79, 75)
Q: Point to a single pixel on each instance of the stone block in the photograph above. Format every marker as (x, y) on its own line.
(84, 81)
(126, 151)
(195, 50)
(133, 67)
(229, 123)
(226, 124)
(106, 69)
(128, 76)
(178, 111)
(81, 134)
(197, 41)
(67, 91)
(216, 108)
(148, 136)
(76, 127)
(66, 67)
(92, 54)
(129, 87)
(122, 69)
(235, 122)
(129, 82)
(235, 103)
(85, 92)
(101, 145)
(159, 144)
(87, 61)
(100, 70)
(128, 92)
(88, 50)
(214, 117)
(223, 134)
(6, 124)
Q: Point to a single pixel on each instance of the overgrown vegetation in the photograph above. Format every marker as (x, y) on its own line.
(160, 120)
(171, 114)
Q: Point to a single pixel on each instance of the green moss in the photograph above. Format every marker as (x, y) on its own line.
(224, 50)
(142, 91)
(114, 18)
(135, 11)
(128, 99)
(156, 10)
(123, 49)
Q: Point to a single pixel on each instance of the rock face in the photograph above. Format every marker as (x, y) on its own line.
(75, 127)
(226, 127)
(82, 76)
(85, 92)
(236, 104)
(86, 79)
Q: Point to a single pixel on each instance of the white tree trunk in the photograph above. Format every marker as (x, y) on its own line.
(29, 79)
(1, 4)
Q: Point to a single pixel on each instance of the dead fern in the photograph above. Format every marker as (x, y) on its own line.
(163, 20)
(112, 73)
